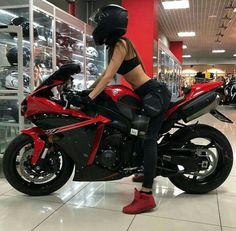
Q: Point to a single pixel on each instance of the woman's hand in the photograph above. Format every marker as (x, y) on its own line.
(118, 56)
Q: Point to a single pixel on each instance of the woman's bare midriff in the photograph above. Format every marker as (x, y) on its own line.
(136, 77)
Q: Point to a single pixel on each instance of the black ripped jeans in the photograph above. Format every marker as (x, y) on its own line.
(150, 149)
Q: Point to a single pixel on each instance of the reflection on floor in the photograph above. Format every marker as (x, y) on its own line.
(97, 206)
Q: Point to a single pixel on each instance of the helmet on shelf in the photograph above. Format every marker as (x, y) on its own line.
(62, 59)
(12, 56)
(78, 46)
(44, 60)
(24, 23)
(92, 68)
(110, 24)
(62, 40)
(91, 52)
(12, 81)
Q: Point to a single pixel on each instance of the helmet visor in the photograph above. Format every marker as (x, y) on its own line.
(96, 17)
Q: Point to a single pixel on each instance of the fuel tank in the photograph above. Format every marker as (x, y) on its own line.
(121, 100)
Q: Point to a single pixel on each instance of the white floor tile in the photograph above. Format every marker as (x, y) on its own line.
(196, 208)
(107, 195)
(21, 214)
(71, 218)
(233, 171)
(227, 207)
(97, 206)
(4, 186)
(142, 223)
(228, 188)
(60, 196)
(228, 229)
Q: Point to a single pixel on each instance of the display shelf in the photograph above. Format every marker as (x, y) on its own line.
(169, 70)
(53, 38)
(95, 58)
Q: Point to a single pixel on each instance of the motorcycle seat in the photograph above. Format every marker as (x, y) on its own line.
(70, 69)
(176, 101)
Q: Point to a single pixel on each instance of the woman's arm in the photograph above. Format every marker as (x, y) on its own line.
(96, 81)
(119, 54)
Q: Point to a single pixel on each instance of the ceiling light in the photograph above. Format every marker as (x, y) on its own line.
(234, 9)
(184, 47)
(218, 51)
(234, 55)
(154, 57)
(186, 56)
(186, 34)
(180, 4)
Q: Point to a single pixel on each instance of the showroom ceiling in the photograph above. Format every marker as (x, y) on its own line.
(205, 17)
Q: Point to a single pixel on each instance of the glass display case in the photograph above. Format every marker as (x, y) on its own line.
(50, 38)
(95, 58)
(155, 59)
(169, 70)
(14, 82)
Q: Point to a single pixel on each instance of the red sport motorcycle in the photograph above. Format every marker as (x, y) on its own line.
(105, 142)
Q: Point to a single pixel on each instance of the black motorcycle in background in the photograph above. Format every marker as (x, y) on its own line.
(230, 91)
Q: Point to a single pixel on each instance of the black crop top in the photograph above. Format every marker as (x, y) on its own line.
(128, 65)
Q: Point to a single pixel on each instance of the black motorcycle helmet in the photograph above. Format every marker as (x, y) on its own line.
(13, 59)
(110, 24)
(24, 23)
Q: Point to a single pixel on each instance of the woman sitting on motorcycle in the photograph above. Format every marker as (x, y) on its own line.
(111, 24)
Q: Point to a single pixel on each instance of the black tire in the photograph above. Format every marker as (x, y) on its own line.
(21, 184)
(223, 165)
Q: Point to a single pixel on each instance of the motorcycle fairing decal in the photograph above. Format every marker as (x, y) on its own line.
(77, 125)
(39, 105)
(38, 143)
(197, 90)
(96, 144)
(117, 91)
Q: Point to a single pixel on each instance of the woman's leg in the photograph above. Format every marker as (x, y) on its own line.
(144, 200)
(150, 152)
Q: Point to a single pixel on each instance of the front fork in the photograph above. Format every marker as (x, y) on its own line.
(40, 146)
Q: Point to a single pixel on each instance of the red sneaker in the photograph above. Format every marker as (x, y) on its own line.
(138, 178)
(142, 202)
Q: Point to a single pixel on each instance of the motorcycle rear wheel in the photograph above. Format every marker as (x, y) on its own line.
(20, 174)
(198, 183)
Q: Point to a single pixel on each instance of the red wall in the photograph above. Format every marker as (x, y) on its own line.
(142, 28)
(177, 49)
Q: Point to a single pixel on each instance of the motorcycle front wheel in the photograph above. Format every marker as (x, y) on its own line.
(29, 179)
(211, 143)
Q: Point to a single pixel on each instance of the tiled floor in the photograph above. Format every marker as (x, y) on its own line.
(97, 206)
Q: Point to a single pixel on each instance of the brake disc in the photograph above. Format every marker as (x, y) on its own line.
(212, 160)
(28, 173)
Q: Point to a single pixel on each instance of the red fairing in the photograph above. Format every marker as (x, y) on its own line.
(96, 144)
(116, 91)
(99, 118)
(37, 105)
(196, 90)
(38, 143)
